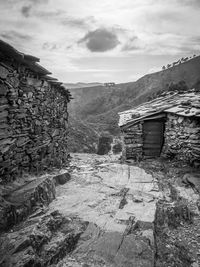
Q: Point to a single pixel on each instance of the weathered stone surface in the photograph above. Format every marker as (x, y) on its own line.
(41, 241)
(3, 72)
(3, 90)
(193, 179)
(182, 139)
(132, 142)
(96, 188)
(18, 204)
(35, 112)
(61, 179)
(117, 235)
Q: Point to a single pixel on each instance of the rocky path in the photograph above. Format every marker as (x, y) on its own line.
(108, 214)
(119, 203)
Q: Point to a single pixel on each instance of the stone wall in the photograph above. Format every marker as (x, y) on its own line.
(33, 122)
(182, 138)
(132, 142)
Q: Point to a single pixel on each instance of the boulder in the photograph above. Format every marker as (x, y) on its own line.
(61, 179)
(192, 179)
(3, 72)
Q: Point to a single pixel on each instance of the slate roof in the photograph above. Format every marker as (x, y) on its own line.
(28, 60)
(183, 104)
(31, 62)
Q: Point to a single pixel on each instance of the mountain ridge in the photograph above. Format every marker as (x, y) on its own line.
(81, 85)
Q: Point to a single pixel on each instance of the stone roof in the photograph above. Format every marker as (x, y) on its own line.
(31, 63)
(28, 60)
(183, 104)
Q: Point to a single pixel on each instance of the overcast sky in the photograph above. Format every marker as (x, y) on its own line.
(104, 40)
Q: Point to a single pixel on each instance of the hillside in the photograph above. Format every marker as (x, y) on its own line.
(98, 106)
(81, 138)
(80, 85)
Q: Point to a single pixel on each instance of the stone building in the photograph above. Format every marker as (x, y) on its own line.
(33, 116)
(167, 126)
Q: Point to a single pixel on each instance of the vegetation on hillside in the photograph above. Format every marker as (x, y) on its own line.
(180, 61)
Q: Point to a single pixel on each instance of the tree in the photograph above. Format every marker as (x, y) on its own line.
(163, 68)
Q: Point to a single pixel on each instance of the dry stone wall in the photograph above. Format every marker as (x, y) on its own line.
(182, 138)
(33, 122)
(133, 142)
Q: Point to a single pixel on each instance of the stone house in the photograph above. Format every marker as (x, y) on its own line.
(33, 116)
(167, 126)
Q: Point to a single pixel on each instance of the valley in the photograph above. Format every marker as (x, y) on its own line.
(97, 107)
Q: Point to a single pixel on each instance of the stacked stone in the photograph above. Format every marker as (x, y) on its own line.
(133, 142)
(182, 138)
(33, 122)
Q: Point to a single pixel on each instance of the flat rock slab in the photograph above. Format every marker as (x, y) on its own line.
(97, 248)
(94, 195)
(119, 202)
(102, 217)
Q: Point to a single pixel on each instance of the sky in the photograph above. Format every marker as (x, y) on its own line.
(105, 40)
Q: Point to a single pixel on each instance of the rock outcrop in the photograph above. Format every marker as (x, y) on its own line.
(16, 205)
(40, 241)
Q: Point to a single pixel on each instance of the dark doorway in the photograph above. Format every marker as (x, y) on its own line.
(153, 136)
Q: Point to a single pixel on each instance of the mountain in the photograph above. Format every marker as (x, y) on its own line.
(98, 106)
(80, 85)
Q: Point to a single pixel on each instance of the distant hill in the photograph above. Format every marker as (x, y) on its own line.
(80, 85)
(98, 106)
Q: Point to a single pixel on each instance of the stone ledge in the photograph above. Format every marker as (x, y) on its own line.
(19, 203)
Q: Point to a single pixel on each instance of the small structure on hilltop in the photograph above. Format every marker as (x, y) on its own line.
(33, 116)
(168, 126)
(111, 84)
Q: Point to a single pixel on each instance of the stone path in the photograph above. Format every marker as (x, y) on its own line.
(119, 202)
(106, 215)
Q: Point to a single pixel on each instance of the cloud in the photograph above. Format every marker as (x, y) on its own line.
(131, 44)
(195, 3)
(50, 46)
(25, 10)
(100, 40)
(49, 14)
(136, 34)
(78, 22)
(58, 16)
(14, 35)
(39, 1)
